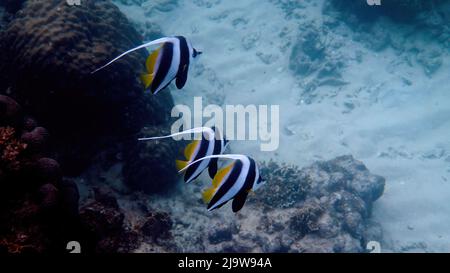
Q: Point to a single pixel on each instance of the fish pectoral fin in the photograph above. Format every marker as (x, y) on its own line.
(181, 164)
(147, 79)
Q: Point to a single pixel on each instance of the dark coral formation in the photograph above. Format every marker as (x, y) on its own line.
(11, 148)
(51, 48)
(107, 229)
(103, 224)
(12, 6)
(10, 112)
(150, 165)
(157, 225)
(38, 209)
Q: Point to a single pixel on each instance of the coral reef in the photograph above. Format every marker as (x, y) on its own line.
(55, 62)
(108, 229)
(325, 207)
(89, 116)
(38, 209)
(150, 165)
(288, 186)
(332, 216)
(104, 225)
(157, 225)
(10, 148)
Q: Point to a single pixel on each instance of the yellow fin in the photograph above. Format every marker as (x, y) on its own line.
(147, 79)
(220, 175)
(181, 164)
(190, 149)
(151, 61)
(218, 178)
(208, 194)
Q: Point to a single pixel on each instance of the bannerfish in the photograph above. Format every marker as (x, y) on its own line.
(170, 61)
(233, 181)
(211, 143)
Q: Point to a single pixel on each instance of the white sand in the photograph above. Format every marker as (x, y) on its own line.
(399, 131)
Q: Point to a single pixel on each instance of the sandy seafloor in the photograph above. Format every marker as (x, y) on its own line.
(391, 115)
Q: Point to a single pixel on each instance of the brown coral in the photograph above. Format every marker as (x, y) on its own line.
(37, 208)
(10, 148)
(6, 134)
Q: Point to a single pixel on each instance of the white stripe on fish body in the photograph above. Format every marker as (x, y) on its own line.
(158, 62)
(191, 51)
(173, 71)
(205, 163)
(237, 186)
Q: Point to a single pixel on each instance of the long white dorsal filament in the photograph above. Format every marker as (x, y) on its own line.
(231, 156)
(155, 42)
(190, 131)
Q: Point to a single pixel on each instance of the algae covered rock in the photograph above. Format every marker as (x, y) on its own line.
(325, 207)
(334, 211)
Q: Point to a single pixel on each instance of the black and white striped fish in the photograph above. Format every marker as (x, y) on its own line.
(211, 143)
(170, 61)
(234, 181)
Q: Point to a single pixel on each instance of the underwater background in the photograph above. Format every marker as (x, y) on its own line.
(364, 149)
